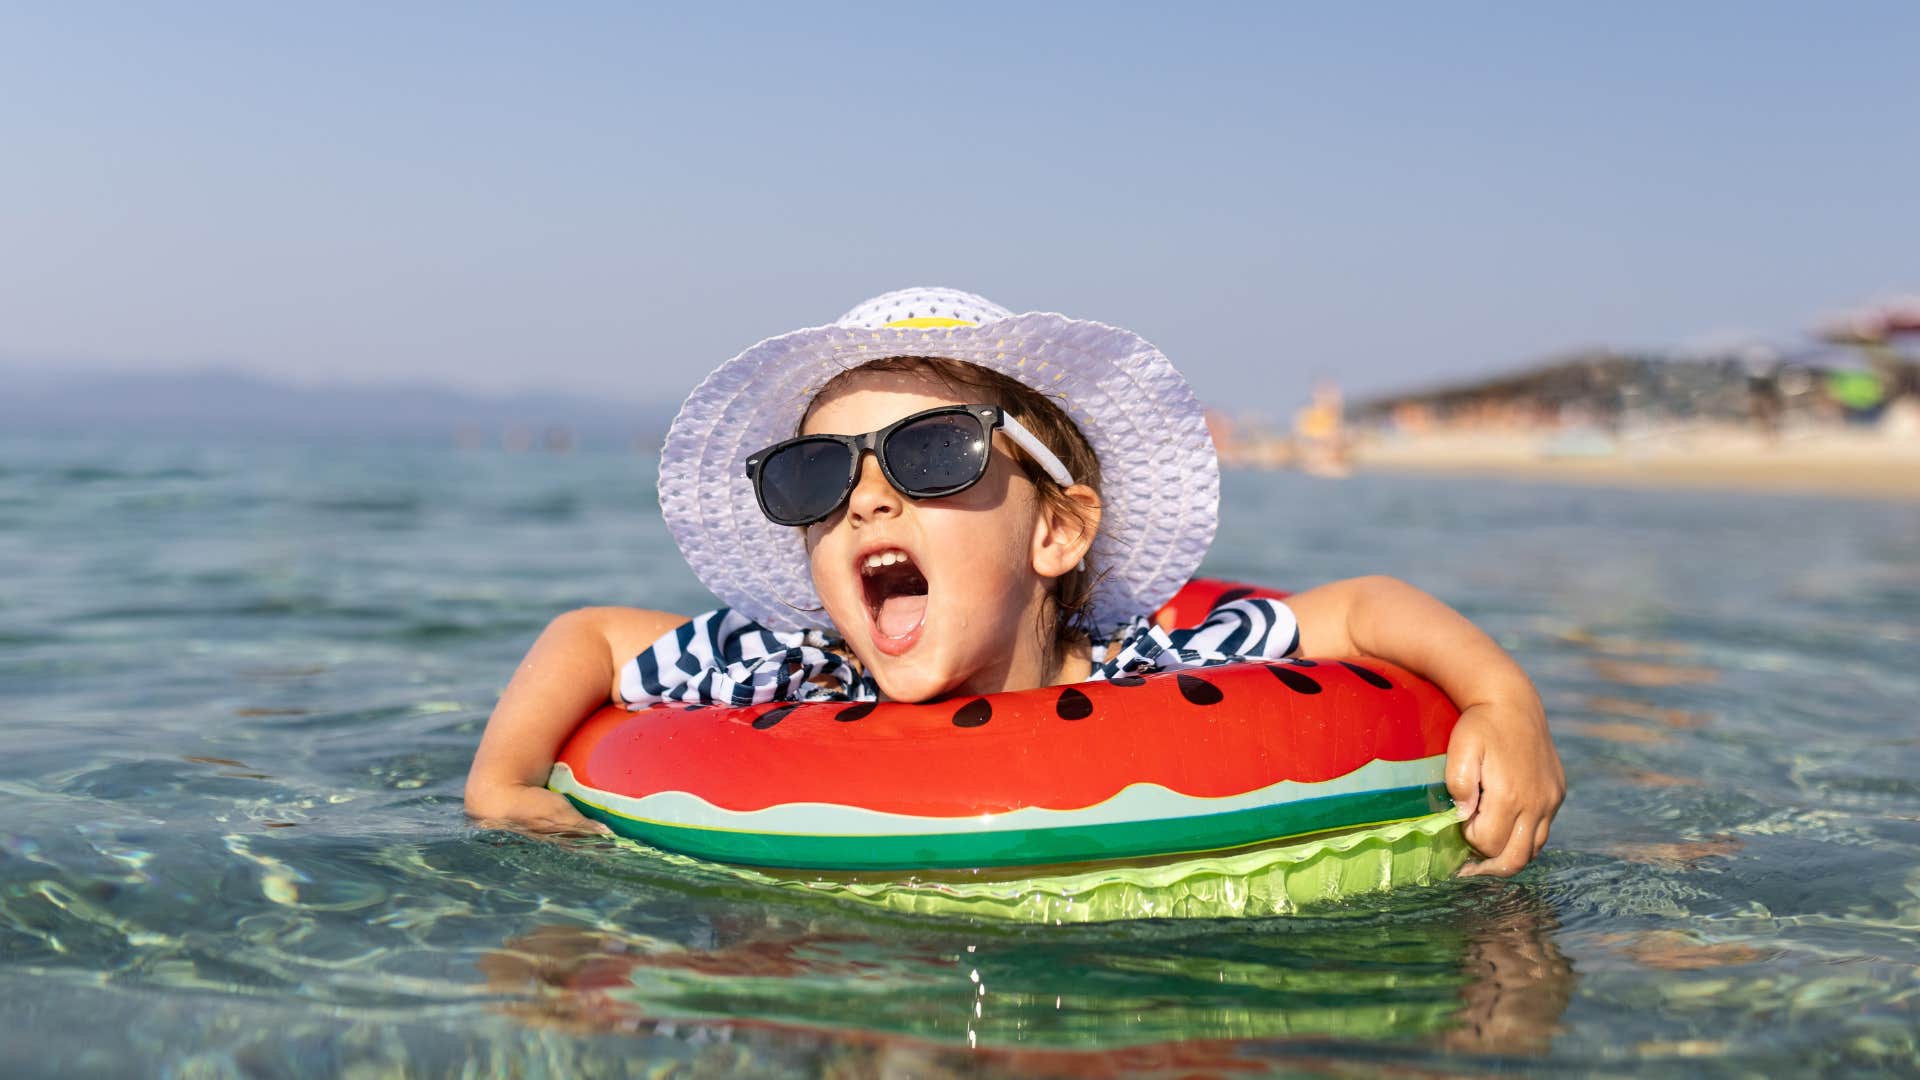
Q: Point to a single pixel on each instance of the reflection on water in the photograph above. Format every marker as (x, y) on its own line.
(243, 684)
(1482, 975)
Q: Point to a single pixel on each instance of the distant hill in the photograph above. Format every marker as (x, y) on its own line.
(227, 403)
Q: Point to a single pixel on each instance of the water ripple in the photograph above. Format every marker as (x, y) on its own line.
(243, 689)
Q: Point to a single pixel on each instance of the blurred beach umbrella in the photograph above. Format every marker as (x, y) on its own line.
(1903, 316)
(1873, 324)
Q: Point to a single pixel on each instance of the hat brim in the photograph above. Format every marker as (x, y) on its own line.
(1160, 477)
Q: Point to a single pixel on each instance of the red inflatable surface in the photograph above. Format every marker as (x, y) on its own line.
(1213, 732)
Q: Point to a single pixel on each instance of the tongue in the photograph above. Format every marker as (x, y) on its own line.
(899, 614)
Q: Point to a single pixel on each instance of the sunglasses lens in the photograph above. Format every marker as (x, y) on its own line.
(804, 481)
(937, 454)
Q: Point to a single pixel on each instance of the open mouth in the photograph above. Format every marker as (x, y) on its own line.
(896, 593)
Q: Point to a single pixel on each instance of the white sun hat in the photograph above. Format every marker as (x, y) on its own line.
(1160, 478)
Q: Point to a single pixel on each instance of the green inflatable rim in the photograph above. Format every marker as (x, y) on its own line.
(1276, 880)
(1020, 847)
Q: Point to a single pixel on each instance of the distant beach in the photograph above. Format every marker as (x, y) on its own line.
(1840, 416)
(1863, 464)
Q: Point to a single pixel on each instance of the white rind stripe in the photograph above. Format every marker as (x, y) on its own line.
(1136, 802)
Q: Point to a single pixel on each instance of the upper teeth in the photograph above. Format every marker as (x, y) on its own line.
(885, 558)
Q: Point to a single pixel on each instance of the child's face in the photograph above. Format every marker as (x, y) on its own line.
(962, 613)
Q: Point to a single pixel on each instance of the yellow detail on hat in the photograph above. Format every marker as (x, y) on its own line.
(928, 321)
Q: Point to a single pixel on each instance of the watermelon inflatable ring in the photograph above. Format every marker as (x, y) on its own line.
(1243, 789)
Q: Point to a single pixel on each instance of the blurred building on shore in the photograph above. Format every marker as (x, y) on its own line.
(1859, 373)
(1862, 370)
(1611, 392)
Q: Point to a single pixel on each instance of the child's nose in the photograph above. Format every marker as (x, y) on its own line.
(872, 496)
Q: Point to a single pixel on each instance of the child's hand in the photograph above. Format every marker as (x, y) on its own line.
(1501, 768)
(1504, 774)
(567, 674)
(529, 809)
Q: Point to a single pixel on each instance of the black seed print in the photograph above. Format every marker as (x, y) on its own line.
(1295, 681)
(856, 712)
(691, 708)
(1231, 595)
(1127, 680)
(1073, 705)
(974, 713)
(767, 719)
(1199, 691)
(1304, 663)
(1371, 678)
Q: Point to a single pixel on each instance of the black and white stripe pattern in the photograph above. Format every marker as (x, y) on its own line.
(1250, 629)
(725, 658)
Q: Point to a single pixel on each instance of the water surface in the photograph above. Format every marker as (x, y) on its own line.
(241, 685)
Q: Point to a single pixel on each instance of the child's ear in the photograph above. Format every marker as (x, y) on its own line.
(1062, 537)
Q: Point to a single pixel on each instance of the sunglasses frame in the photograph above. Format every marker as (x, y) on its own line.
(991, 418)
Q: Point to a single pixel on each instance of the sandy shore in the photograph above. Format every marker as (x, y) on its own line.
(1857, 464)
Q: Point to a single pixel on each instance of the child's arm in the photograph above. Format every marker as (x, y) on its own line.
(571, 671)
(1501, 765)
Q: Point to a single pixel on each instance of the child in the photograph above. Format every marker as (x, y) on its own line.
(970, 501)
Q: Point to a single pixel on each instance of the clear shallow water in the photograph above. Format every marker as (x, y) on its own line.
(240, 685)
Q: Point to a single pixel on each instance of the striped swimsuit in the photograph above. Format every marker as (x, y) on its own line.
(724, 658)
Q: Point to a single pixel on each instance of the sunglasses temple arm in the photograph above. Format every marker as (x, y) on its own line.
(1036, 449)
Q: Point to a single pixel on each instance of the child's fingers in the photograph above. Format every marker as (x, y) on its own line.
(538, 811)
(1492, 829)
(550, 826)
(1511, 859)
(567, 822)
(583, 827)
(1540, 832)
(1463, 782)
(561, 823)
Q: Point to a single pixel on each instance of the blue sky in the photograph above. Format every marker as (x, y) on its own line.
(610, 199)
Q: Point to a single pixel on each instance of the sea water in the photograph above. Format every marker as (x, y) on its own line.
(241, 684)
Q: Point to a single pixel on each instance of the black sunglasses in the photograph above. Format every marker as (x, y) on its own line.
(926, 455)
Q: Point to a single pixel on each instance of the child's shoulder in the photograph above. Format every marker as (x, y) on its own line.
(626, 629)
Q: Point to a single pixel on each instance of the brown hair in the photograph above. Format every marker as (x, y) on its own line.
(1073, 591)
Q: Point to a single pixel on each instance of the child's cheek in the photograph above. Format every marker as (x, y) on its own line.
(834, 590)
